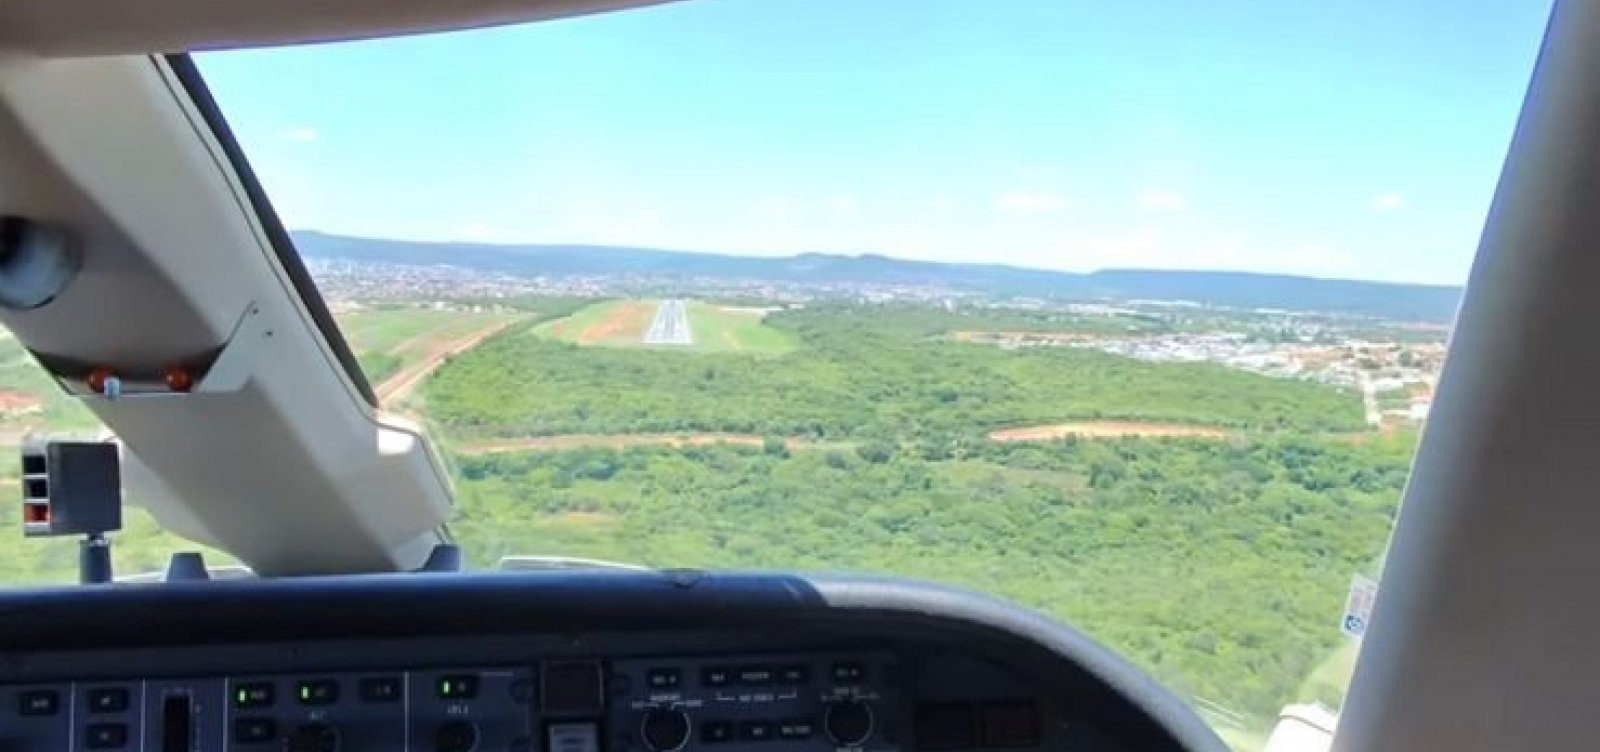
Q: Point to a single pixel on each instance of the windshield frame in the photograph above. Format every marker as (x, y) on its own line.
(193, 83)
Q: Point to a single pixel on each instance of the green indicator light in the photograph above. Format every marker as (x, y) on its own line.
(244, 697)
(457, 687)
(305, 692)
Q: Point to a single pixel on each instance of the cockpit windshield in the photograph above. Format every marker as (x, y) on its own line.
(1130, 313)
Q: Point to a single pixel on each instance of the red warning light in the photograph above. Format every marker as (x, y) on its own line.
(97, 379)
(178, 379)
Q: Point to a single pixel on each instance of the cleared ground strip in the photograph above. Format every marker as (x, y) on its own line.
(1107, 429)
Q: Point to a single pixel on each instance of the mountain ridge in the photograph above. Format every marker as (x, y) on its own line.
(1398, 300)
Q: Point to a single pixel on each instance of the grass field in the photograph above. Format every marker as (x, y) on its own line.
(615, 323)
(385, 329)
(388, 340)
(622, 323)
(724, 329)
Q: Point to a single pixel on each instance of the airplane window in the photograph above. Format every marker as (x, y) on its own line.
(1127, 314)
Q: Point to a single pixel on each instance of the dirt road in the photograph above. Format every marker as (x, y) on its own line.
(1107, 429)
(403, 382)
(625, 324)
(1095, 429)
(614, 441)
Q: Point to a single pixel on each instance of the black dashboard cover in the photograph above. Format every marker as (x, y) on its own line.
(413, 605)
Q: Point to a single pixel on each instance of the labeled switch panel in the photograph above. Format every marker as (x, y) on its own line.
(741, 703)
(758, 702)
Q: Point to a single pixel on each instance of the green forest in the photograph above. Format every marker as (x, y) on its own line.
(880, 373)
(1219, 565)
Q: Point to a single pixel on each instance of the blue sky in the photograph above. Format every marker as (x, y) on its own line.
(1359, 138)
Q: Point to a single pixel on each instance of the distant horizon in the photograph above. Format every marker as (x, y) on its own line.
(1359, 140)
(508, 244)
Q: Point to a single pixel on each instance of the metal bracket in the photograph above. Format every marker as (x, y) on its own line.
(228, 370)
(234, 365)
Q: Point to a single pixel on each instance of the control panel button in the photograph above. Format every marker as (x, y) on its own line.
(380, 689)
(716, 676)
(848, 672)
(1009, 724)
(757, 731)
(799, 728)
(848, 724)
(755, 676)
(39, 702)
(252, 695)
(664, 730)
(254, 730)
(455, 736)
(663, 678)
(458, 687)
(716, 732)
(583, 736)
(794, 675)
(313, 737)
(106, 735)
(108, 700)
(317, 692)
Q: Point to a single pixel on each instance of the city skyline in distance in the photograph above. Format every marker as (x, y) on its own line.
(1244, 289)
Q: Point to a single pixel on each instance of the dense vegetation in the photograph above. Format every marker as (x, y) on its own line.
(1219, 565)
(860, 373)
(927, 321)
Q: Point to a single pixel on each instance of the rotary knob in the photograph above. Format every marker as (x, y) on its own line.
(848, 723)
(665, 730)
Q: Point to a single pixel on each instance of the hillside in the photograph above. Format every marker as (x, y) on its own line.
(1234, 289)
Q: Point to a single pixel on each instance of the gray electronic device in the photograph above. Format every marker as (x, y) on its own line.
(73, 488)
(70, 488)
